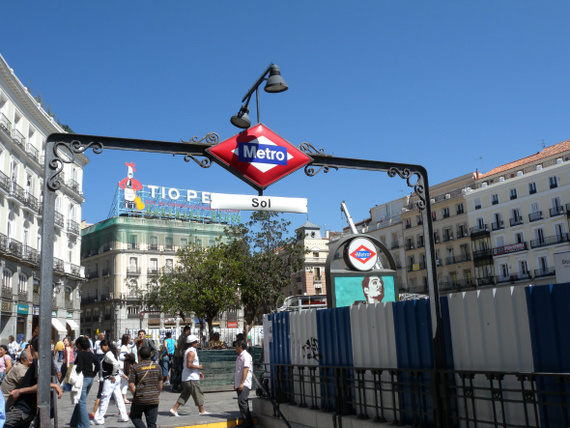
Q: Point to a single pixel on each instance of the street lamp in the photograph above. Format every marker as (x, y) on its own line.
(275, 84)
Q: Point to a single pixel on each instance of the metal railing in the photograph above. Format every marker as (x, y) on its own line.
(406, 396)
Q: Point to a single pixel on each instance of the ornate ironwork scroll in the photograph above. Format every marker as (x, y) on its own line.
(65, 152)
(418, 186)
(210, 139)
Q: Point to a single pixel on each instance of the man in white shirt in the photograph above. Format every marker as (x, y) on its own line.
(191, 376)
(242, 383)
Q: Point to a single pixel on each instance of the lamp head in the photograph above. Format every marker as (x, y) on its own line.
(241, 118)
(275, 82)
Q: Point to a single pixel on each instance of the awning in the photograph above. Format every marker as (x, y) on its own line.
(72, 324)
(58, 325)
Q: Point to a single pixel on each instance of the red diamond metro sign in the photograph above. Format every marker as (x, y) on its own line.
(258, 156)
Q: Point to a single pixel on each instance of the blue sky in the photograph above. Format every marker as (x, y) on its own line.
(441, 84)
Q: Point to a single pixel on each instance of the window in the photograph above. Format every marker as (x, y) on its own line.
(154, 243)
(504, 269)
(153, 266)
(553, 182)
(445, 212)
(500, 241)
(436, 236)
(480, 223)
(168, 243)
(477, 203)
(494, 199)
(183, 242)
(542, 265)
(408, 223)
(498, 223)
(419, 221)
(523, 268)
(461, 231)
(519, 237)
(316, 254)
(169, 265)
(433, 216)
(539, 235)
(133, 264)
(513, 194)
(133, 242)
(531, 188)
(459, 209)
(22, 284)
(6, 279)
(516, 217)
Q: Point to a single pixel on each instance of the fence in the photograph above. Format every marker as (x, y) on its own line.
(506, 358)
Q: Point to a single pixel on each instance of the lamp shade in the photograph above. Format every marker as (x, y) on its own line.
(275, 82)
(241, 118)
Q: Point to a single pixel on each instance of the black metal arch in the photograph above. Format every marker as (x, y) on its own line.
(62, 148)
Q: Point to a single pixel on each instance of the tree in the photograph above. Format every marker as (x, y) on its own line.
(203, 282)
(270, 258)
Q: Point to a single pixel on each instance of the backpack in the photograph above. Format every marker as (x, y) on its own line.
(153, 348)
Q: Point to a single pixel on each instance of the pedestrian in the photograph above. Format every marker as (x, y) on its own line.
(59, 347)
(145, 383)
(68, 360)
(87, 364)
(242, 382)
(111, 384)
(168, 348)
(25, 407)
(178, 360)
(97, 347)
(191, 376)
(5, 362)
(13, 380)
(123, 352)
(13, 347)
(148, 342)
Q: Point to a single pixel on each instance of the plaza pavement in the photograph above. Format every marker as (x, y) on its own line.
(223, 408)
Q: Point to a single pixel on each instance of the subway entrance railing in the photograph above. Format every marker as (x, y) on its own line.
(405, 396)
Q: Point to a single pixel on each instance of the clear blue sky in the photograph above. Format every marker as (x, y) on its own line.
(439, 84)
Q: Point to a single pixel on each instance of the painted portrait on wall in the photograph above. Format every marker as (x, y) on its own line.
(371, 289)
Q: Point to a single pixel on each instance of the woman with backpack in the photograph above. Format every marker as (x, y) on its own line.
(167, 352)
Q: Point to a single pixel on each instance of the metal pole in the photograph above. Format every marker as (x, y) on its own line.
(46, 290)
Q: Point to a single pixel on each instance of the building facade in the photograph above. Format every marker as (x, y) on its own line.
(123, 254)
(519, 218)
(24, 126)
(499, 228)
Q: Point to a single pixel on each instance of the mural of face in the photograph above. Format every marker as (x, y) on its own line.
(373, 288)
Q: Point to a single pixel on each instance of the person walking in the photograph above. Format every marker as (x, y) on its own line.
(145, 383)
(168, 348)
(87, 364)
(13, 347)
(242, 381)
(111, 384)
(59, 347)
(191, 376)
(178, 360)
(68, 357)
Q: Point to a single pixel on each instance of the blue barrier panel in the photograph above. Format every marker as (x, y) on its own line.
(335, 347)
(549, 318)
(414, 347)
(280, 354)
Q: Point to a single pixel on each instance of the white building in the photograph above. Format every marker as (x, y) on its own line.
(24, 126)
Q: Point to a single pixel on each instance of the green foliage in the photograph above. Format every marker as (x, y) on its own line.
(204, 282)
(272, 258)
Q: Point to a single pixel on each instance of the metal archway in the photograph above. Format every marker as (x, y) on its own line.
(62, 148)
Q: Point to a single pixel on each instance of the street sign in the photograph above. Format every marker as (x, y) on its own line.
(220, 201)
(258, 156)
(361, 254)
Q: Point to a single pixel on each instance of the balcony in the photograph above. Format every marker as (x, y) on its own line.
(5, 124)
(58, 265)
(73, 185)
(58, 219)
(485, 280)
(133, 271)
(31, 202)
(515, 221)
(498, 225)
(19, 138)
(30, 254)
(153, 247)
(538, 273)
(152, 272)
(551, 240)
(508, 249)
(447, 236)
(483, 228)
(4, 182)
(409, 245)
(420, 243)
(483, 254)
(33, 152)
(93, 274)
(461, 233)
(68, 304)
(169, 247)
(133, 246)
(17, 192)
(535, 216)
(14, 247)
(106, 272)
(73, 227)
(555, 211)
(394, 245)
(7, 293)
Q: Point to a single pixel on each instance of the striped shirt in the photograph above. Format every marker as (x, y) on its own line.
(146, 376)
